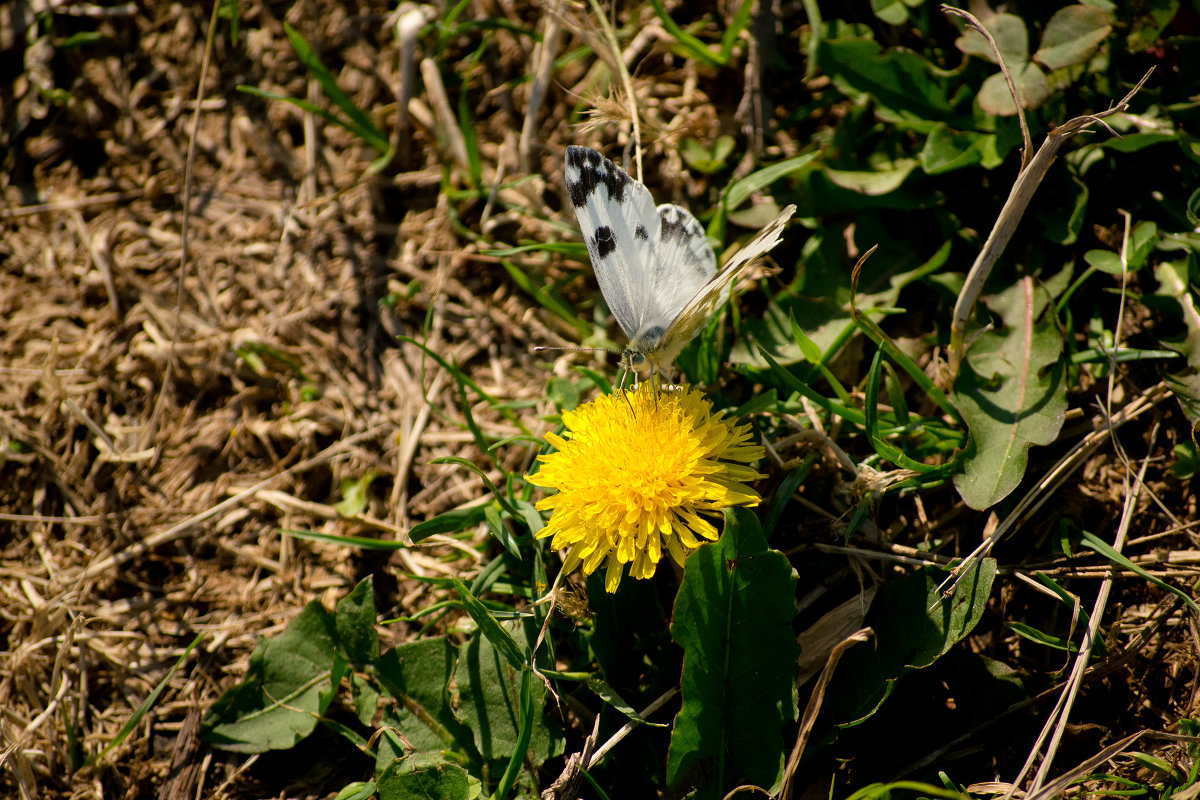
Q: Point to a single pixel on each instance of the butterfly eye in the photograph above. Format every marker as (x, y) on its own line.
(637, 359)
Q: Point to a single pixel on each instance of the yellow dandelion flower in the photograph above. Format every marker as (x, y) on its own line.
(635, 471)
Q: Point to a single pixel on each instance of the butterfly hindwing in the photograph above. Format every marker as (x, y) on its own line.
(694, 315)
(685, 262)
(620, 227)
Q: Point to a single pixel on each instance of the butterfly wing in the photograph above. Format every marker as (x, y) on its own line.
(620, 227)
(700, 307)
(684, 262)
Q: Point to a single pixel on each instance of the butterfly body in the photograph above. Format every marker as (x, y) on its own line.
(655, 267)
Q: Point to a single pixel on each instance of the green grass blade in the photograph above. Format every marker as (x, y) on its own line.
(147, 704)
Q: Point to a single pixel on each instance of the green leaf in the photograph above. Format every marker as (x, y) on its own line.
(946, 150)
(1032, 86)
(1072, 36)
(493, 631)
(1105, 261)
(452, 521)
(142, 710)
(354, 621)
(424, 776)
(874, 182)
(1011, 390)
(733, 618)
(908, 636)
(488, 698)
(1185, 385)
(288, 686)
(705, 159)
(1012, 39)
(893, 12)
(1149, 21)
(740, 190)
(1095, 543)
(905, 87)
(417, 676)
(354, 494)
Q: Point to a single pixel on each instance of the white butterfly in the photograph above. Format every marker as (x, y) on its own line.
(655, 267)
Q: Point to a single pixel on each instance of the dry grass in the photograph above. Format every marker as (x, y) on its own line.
(148, 468)
(150, 460)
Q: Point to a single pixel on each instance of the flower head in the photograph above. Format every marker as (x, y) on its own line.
(634, 472)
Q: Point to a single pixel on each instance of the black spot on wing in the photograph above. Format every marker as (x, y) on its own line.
(591, 171)
(604, 241)
(673, 224)
(640, 232)
(677, 228)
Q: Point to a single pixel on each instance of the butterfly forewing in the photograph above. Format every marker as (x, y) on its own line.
(620, 227)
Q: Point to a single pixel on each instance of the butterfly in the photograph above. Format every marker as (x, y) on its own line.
(655, 267)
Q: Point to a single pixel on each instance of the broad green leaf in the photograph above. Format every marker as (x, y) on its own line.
(1011, 390)
(1105, 261)
(733, 618)
(1072, 36)
(1141, 243)
(424, 776)
(946, 150)
(417, 676)
(354, 621)
(903, 85)
(288, 686)
(908, 636)
(1032, 86)
(487, 698)
(893, 12)
(874, 182)
(1012, 39)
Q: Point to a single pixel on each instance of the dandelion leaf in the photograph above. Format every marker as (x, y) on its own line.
(417, 675)
(733, 619)
(488, 699)
(1011, 390)
(424, 776)
(908, 636)
(289, 685)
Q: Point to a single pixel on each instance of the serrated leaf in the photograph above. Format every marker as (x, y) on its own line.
(733, 618)
(288, 686)
(1072, 36)
(908, 636)
(1011, 390)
